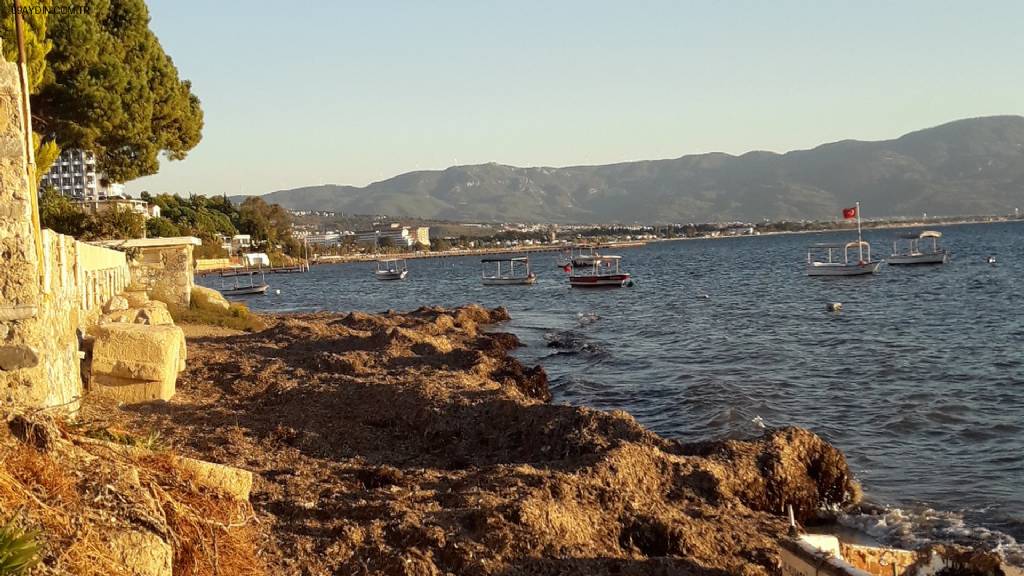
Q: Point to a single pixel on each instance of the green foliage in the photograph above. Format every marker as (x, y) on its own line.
(61, 215)
(109, 87)
(37, 45)
(116, 223)
(19, 550)
(152, 441)
(46, 154)
(236, 317)
(440, 245)
(160, 227)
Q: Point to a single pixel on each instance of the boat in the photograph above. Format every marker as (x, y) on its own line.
(813, 554)
(602, 272)
(831, 265)
(498, 275)
(578, 259)
(914, 248)
(242, 288)
(393, 269)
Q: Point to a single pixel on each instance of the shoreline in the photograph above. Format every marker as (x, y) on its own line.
(415, 443)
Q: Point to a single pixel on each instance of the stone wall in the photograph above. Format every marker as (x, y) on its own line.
(47, 293)
(165, 272)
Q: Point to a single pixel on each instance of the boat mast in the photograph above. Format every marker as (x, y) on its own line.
(860, 245)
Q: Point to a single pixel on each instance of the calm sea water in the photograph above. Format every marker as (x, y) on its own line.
(919, 379)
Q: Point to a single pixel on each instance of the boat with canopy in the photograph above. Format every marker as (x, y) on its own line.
(918, 248)
(602, 272)
(506, 271)
(823, 259)
(391, 269)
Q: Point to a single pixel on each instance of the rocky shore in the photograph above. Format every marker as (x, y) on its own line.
(415, 444)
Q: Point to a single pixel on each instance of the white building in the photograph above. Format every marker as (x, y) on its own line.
(401, 236)
(74, 175)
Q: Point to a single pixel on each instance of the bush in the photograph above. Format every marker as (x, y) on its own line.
(237, 317)
(19, 550)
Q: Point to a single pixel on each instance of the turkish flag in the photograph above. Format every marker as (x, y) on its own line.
(849, 213)
(567, 268)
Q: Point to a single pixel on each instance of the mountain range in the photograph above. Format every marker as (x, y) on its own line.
(966, 167)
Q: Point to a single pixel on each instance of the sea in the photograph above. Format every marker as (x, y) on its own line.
(918, 379)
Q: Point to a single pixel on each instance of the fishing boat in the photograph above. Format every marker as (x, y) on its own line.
(602, 272)
(585, 256)
(241, 288)
(495, 273)
(915, 248)
(392, 269)
(823, 259)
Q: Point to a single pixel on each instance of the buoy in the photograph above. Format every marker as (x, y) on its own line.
(278, 292)
(834, 306)
(991, 259)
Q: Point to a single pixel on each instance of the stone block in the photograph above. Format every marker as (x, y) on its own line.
(136, 351)
(116, 303)
(131, 391)
(136, 362)
(18, 357)
(142, 553)
(208, 299)
(136, 298)
(232, 481)
(154, 315)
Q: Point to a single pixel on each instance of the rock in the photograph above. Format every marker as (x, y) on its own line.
(142, 553)
(123, 316)
(116, 303)
(208, 299)
(154, 315)
(17, 357)
(136, 362)
(136, 298)
(4, 330)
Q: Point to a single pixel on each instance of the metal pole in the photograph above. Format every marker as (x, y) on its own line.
(30, 152)
(860, 245)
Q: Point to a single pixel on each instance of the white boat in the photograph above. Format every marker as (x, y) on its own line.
(831, 265)
(499, 275)
(602, 272)
(825, 260)
(584, 257)
(392, 269)
(242, 288)
(915, 249)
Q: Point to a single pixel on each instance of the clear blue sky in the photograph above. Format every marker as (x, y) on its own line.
(309, 93)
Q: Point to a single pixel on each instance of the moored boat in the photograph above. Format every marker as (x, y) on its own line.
(602, 272)
(391, 269)
(832, 265)
(510, 275)
(252, 288)
(914, 248)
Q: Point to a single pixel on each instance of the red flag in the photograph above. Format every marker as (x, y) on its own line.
(849, 213)
(567, 268)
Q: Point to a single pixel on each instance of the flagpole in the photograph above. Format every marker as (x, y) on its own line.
(860, 245)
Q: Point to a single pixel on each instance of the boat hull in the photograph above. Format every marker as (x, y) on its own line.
(247, 291)
(524, 281)
(399, 275)
(820, 269)
(600, 281)
(913, 259)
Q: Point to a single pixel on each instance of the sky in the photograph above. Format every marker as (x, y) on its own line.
(299, 94)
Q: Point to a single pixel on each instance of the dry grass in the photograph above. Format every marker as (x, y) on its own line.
(76, 496)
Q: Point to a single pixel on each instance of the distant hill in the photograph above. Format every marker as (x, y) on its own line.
(973, 166)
